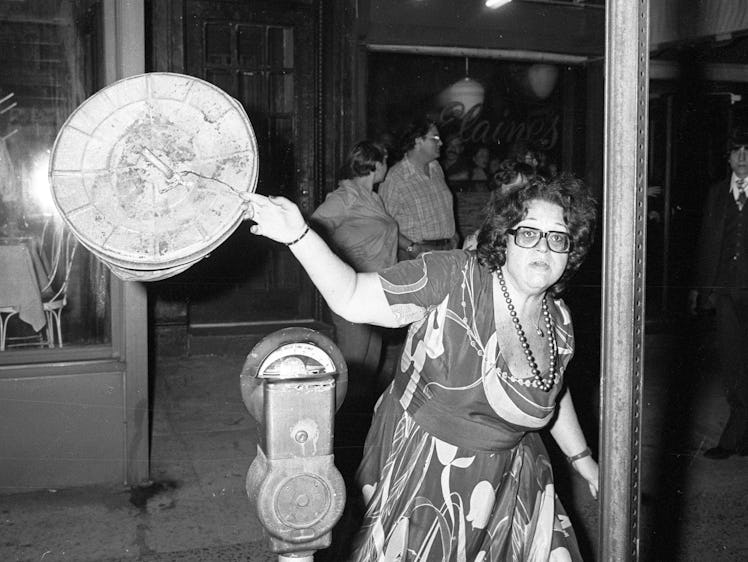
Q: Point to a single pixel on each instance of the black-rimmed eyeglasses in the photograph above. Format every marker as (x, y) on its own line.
(529, 237)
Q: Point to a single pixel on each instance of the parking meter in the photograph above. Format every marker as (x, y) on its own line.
(292, 383)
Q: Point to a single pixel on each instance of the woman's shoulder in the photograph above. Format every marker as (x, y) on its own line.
(457, 256)
(335, 202)
(561, 311)
(428, 279)
(458, 263)
(441, 264)
(462, 258)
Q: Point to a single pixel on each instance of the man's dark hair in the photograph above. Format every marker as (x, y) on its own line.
(416, 129)
(738, 138)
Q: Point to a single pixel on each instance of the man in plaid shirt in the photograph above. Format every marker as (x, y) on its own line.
(416, 195)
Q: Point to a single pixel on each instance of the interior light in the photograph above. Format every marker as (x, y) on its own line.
(493, 4)
(465, 93)
(39, 190)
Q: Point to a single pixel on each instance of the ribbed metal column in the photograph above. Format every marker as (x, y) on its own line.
(625, 173)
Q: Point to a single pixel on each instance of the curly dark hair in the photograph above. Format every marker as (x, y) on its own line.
(509, 170)
(362, 159)
(504, 212)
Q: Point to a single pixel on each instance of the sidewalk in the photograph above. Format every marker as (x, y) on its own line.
(196, 508)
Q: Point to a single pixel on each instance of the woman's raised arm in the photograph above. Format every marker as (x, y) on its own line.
(357, 297)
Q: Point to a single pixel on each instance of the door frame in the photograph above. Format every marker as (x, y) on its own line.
(78, 415)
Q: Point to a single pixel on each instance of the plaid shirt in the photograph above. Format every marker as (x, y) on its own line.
(421, 204)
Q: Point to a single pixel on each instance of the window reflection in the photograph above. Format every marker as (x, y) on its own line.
(48, 53)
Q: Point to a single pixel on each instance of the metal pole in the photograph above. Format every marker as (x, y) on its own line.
(624, 250)
(501, 54)
(667, 202)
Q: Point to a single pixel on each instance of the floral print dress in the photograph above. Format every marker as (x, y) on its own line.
(453, 467)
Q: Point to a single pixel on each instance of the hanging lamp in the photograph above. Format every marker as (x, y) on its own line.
(542, 79)
(466, 92)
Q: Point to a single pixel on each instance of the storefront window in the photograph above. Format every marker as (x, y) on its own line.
(53, 292)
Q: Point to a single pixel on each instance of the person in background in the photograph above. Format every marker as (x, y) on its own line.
(388, 141)
(522, 152)
(722, 283)
(494, 164)
(416, 195)
(456, 169)
(454, 467)
(546, 167)
(353, 221)
(479, 173)
(511, 176)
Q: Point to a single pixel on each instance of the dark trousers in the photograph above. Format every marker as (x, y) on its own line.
(361, 346)
(732, 346)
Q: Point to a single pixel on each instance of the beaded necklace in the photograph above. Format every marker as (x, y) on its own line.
(537, 380)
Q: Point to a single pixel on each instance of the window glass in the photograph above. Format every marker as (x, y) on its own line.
(53, 292)
(266, 89)
(218, 43)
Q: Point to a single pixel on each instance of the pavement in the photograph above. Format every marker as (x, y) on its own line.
(195, 507)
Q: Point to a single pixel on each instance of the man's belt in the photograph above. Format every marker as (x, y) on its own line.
(440, 244)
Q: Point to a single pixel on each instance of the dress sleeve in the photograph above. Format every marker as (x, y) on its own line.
(564, 331)
(414, 287)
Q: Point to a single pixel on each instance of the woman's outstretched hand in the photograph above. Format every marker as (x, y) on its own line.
(276, 218)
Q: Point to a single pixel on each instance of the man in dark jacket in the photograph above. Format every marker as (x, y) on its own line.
(722, 278)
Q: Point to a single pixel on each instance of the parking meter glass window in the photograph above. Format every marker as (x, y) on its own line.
(297, 360)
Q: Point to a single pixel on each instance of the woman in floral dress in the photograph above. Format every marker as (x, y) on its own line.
(453, 467)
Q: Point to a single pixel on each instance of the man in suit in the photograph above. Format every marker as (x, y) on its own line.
(722, 280)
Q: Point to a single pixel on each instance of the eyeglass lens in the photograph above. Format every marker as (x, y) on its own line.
(528, 237)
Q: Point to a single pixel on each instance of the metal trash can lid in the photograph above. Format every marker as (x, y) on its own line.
(148, 172)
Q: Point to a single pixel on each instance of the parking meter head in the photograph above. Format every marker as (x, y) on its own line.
(288, 354)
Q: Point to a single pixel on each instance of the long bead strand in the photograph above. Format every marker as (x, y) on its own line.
(537, 380)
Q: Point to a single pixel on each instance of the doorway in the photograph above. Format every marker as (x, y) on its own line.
(264, 55)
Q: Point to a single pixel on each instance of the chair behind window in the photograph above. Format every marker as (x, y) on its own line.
(54, 294)
(51, 252)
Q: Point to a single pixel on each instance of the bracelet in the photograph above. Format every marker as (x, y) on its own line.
(306, 231)
(575, 458)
